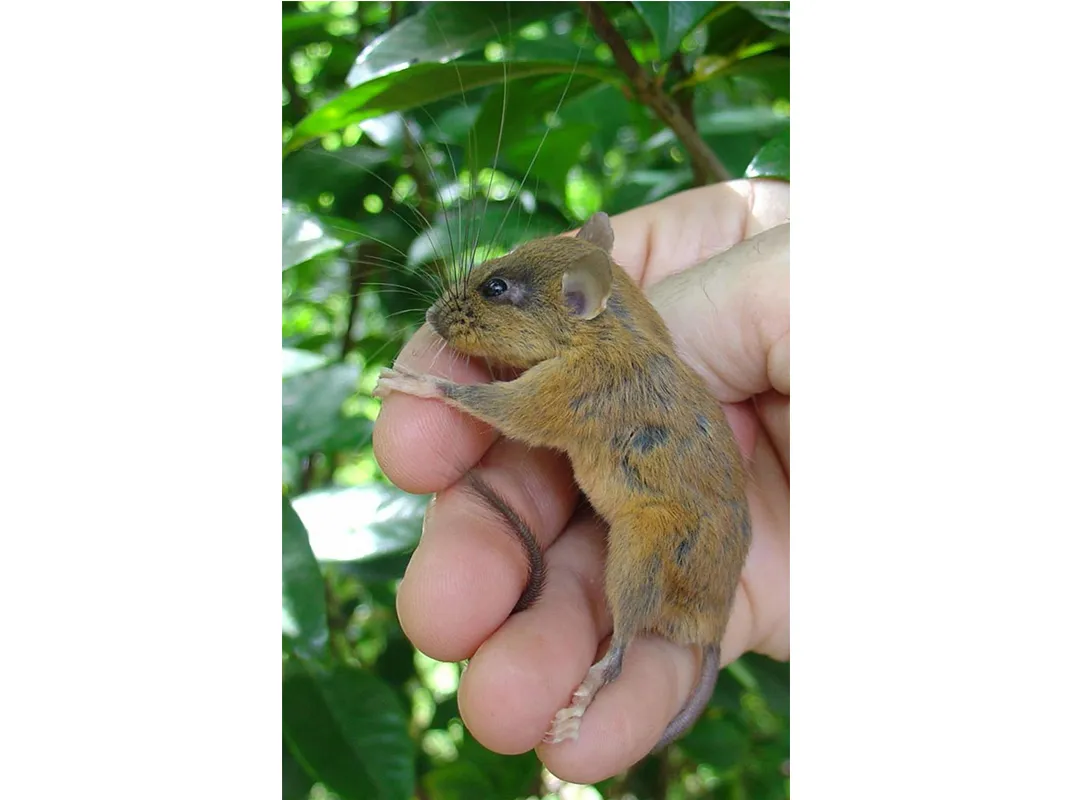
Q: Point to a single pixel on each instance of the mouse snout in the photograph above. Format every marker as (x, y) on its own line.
(436, 318)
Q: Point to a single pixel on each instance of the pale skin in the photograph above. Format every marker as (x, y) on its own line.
(728, 310)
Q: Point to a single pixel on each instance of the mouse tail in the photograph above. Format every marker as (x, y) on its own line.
(697, 702)
(520, 531)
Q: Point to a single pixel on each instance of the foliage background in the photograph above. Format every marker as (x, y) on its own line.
(391, 168)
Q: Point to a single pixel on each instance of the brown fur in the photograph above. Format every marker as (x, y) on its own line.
(650, 446)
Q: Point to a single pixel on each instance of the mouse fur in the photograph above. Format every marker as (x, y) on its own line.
(650, 446)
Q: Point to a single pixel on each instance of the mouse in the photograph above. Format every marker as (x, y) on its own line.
(651, 449)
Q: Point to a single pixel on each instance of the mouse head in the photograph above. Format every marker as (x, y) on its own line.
(530, 305)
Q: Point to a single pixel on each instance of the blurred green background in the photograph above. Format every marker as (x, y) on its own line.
(410, 132)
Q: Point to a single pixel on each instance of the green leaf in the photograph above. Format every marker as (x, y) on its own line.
(296, 781)
(670, 22)
(527, 102)
(504, 223)
(361, 523)
(305, 622)
(304, 237)
(421, 84)
(772, 679)
(717, 741)
(440, 32)
(296, 361)
(458, 781)
(348, 730)
(774, 15)
(312, 402)
(772, 160)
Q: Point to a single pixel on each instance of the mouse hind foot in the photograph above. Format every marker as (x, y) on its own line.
(697, 701)
(567, 722)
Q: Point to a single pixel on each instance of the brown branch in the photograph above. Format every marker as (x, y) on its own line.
(705, 164)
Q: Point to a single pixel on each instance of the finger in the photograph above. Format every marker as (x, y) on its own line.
(688, 227)
(669, 235)
(422, 445)
(765, 579)
(729, 316)
(468, 570)
(528, 669)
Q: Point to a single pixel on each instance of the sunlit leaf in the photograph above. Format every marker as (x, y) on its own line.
(670, 22)
(359, 523)
(422, 84)
(348, 730)
(304, 610)
(440, 32)
(773, 14)
(304, 237)
(296, 361)
(772, 160)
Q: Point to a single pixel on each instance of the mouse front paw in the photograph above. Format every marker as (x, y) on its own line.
(400, 379)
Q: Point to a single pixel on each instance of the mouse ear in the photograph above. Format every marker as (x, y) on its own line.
(598, 231)
(586, 285)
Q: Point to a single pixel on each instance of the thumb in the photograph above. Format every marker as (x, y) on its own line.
(729, 316)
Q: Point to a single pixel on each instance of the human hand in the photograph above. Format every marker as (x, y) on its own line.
(730, 318)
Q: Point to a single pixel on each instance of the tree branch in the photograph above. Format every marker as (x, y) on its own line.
(705, 164)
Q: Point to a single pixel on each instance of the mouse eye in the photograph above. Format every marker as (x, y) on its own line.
(493, 287)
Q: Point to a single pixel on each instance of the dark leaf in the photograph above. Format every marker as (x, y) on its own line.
(718, 741)
(526, 103)
(312, 420)
(670, 22)
(774, 14)
(458, 781)
(304, 611)
(440, 32)
(772, 681)
(348, 171)
(304, 237)
(772, 160)
(296, 781)
(419, 85)
(348, 730)
(504, 224)
(361, 523)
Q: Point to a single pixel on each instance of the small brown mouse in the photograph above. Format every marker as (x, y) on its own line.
(650, 447)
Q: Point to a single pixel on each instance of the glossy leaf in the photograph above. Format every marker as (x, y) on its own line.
(422, 84)
(670, 22)
(312, 402)
(304, 237)
(304, 610)
(348, 730)
(772, 14)
(296, 361)
(441, 32)
(361, 523)
(772, 160)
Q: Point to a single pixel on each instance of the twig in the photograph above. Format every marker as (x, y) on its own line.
(705, 164)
